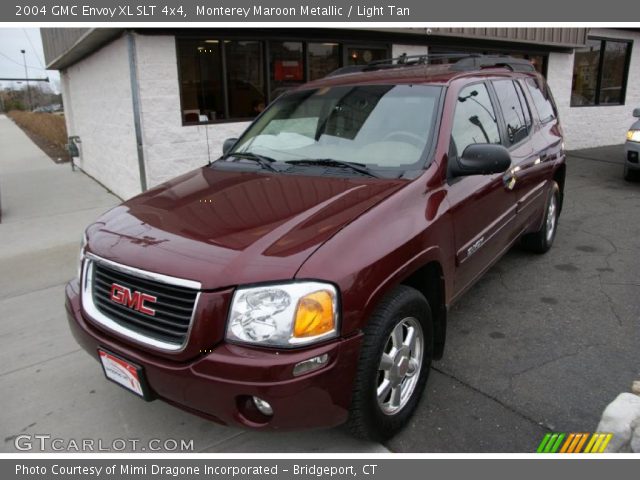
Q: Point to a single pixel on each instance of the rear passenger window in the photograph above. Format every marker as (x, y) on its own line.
(474, 120)
(515, 110)
(542, 100)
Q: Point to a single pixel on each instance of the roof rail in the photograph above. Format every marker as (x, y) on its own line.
(465, 62)
(477, 62)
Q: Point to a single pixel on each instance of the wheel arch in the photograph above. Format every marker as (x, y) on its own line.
(429, 280)
(559, 177)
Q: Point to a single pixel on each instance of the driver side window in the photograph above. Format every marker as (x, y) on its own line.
(474, 119)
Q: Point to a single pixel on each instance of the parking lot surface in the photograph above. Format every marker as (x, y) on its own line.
(541, 343)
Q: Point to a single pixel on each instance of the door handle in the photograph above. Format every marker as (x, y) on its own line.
(509, 178)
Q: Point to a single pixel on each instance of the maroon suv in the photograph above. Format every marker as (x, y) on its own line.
(303, 279)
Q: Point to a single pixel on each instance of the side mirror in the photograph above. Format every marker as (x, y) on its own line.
(228, 145)
(481, 159)
(636, 112)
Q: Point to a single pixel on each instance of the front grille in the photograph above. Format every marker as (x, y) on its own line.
(173, 307)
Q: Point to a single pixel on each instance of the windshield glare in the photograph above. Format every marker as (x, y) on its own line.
(375, 125)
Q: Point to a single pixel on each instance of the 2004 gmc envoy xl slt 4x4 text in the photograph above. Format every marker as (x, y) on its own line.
(303, 279)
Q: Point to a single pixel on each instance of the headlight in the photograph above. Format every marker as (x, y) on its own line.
(284, 315)
(633, 135)
(83, 245)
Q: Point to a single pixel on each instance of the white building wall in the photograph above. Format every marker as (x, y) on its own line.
(586, 127)
(97, 98)
(171, 149)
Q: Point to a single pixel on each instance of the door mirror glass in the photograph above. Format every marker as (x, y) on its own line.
(636, 112)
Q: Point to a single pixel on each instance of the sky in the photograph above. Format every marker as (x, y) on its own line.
(12, 40)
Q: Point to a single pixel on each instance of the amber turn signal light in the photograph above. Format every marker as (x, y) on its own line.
(314, 315)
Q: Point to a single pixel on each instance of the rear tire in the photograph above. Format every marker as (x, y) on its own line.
(394, 365)
(542, 240)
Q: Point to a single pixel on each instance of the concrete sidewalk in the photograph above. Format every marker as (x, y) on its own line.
(49, 386)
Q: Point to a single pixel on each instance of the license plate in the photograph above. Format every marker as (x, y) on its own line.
(124, 373)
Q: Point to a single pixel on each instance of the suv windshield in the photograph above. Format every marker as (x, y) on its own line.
(376, 126)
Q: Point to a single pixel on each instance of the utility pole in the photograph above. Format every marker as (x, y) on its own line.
(26, 75)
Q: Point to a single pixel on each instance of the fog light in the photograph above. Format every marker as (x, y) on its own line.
(310, 365)
(263, 406)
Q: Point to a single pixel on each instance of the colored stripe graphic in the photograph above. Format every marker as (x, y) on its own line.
(581, 442)
(598, 443)
(567, 443)
(574, 443)
(543, 443)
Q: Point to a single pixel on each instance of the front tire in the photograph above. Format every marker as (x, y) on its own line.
(394, 365)
(630, 175)
(541, 241)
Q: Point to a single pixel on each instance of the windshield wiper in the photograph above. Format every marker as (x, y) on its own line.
(330, 162)
(264, 162)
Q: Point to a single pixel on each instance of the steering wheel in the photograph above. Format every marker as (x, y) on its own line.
(412, 138)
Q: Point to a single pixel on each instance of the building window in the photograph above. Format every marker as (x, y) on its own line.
(600, 72)
(231, 79)
(365, 55)
(324, 58)
(244, 63)
(201, 88)
(286, 65)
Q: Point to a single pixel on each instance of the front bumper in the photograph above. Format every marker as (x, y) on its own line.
(219, 383)
(632, 155)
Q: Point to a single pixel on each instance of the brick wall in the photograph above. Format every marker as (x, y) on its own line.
(97, 99)
(171, 149)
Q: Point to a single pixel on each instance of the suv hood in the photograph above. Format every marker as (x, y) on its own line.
(225, 228)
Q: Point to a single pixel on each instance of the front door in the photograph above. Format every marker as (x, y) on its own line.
(483, 207)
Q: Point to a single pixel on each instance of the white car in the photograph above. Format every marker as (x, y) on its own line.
(632, 149)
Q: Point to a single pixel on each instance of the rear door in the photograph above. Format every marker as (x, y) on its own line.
(531, 175)
(523, 137)
(482, 208)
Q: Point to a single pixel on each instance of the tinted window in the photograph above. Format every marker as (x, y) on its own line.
(287, 66)
(324, 58)
(528, 119)
(613, 72)
(600, 71)
(245, 78)
(474, 120)
(514, 110)
(200, 81)
(541, 100)
(362, 56)
(585, 74)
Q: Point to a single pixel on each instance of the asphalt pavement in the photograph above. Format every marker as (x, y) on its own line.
(541, 343)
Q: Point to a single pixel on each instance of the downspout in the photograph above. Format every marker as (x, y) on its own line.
(135, 100)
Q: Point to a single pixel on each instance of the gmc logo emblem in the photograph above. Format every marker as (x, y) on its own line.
(135, 300)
